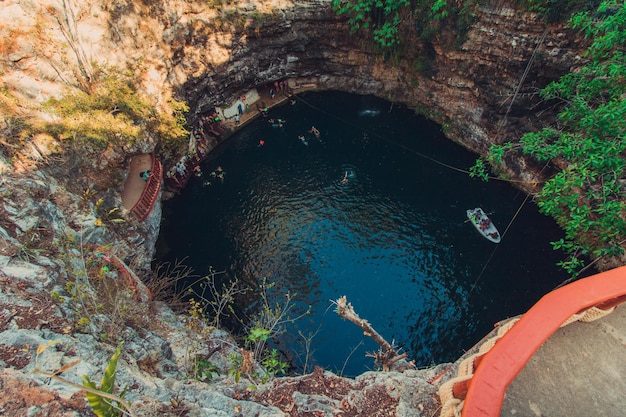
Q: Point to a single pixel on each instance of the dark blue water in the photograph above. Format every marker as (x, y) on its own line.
(393, 237)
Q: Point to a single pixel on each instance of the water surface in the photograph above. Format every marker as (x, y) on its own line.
(364, 211)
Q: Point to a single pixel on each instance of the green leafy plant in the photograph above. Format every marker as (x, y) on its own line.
(204, 369)
(102, 399)
(257, 335)
(382, 16)
(272, 314)
(273, 365)
(107, 215)
(236, 362)
(103, 406)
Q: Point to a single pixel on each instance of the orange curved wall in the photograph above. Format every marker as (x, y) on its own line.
(510, 354)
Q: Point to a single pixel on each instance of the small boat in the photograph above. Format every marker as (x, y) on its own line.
(483, 224)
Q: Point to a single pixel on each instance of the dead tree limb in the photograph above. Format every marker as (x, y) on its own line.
(388, 356)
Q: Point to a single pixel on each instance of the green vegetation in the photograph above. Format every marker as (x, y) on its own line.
(588, 144)
(113, 111)
(265, 319)
(389, 21)
(98, 294)
(102, 399)
(103, 406)
(381, 16)
(109, 110)
(204, 369)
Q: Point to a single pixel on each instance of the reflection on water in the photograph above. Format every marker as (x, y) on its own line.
(357, 213)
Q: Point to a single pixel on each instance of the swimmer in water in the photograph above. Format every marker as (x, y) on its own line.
(315, 131)
(345, 178)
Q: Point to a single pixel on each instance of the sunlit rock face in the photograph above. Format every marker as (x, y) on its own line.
(210, 55)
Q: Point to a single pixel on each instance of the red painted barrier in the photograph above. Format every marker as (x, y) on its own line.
(499, 366)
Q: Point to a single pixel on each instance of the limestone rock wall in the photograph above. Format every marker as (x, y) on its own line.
(208, 55)
(467, 86)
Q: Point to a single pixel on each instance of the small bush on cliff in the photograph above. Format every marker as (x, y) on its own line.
(588, 144)
(113, 111)
(102, 399)
(104, 406)
(98, 293)
(268, 315)
(381, 16)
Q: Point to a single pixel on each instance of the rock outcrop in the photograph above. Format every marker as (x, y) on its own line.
(53, 235)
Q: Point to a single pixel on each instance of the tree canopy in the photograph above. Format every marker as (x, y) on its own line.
(588, 144)
(383, 18)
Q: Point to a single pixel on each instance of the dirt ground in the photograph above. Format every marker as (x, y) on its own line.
(334, 392)
(134, 185)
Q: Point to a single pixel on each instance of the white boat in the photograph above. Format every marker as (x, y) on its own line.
(483, 224)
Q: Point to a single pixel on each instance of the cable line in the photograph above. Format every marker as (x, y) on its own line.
(430, 158)
(500, 126)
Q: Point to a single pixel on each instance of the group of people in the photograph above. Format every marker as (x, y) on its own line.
(208, 125)
(481, 219)
(483, 222)
(278, 86)
(314, 131)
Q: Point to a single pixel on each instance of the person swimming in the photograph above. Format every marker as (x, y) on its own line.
(344, 180)
(276, 122)
(315, 131)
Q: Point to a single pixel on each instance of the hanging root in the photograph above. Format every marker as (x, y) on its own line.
(387, 356)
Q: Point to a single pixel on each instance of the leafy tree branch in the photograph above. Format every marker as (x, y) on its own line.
(587, 195)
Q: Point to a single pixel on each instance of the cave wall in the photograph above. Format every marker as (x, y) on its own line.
(467, 87)
(208, 55)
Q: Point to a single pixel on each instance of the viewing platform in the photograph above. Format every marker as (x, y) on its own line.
(143, 185)
(565, 357)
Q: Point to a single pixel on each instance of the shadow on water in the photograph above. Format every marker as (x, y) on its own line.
(358, 212)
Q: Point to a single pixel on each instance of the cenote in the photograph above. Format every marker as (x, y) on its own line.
(393, 237)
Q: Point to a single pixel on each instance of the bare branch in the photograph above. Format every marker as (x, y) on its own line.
(388, 356)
